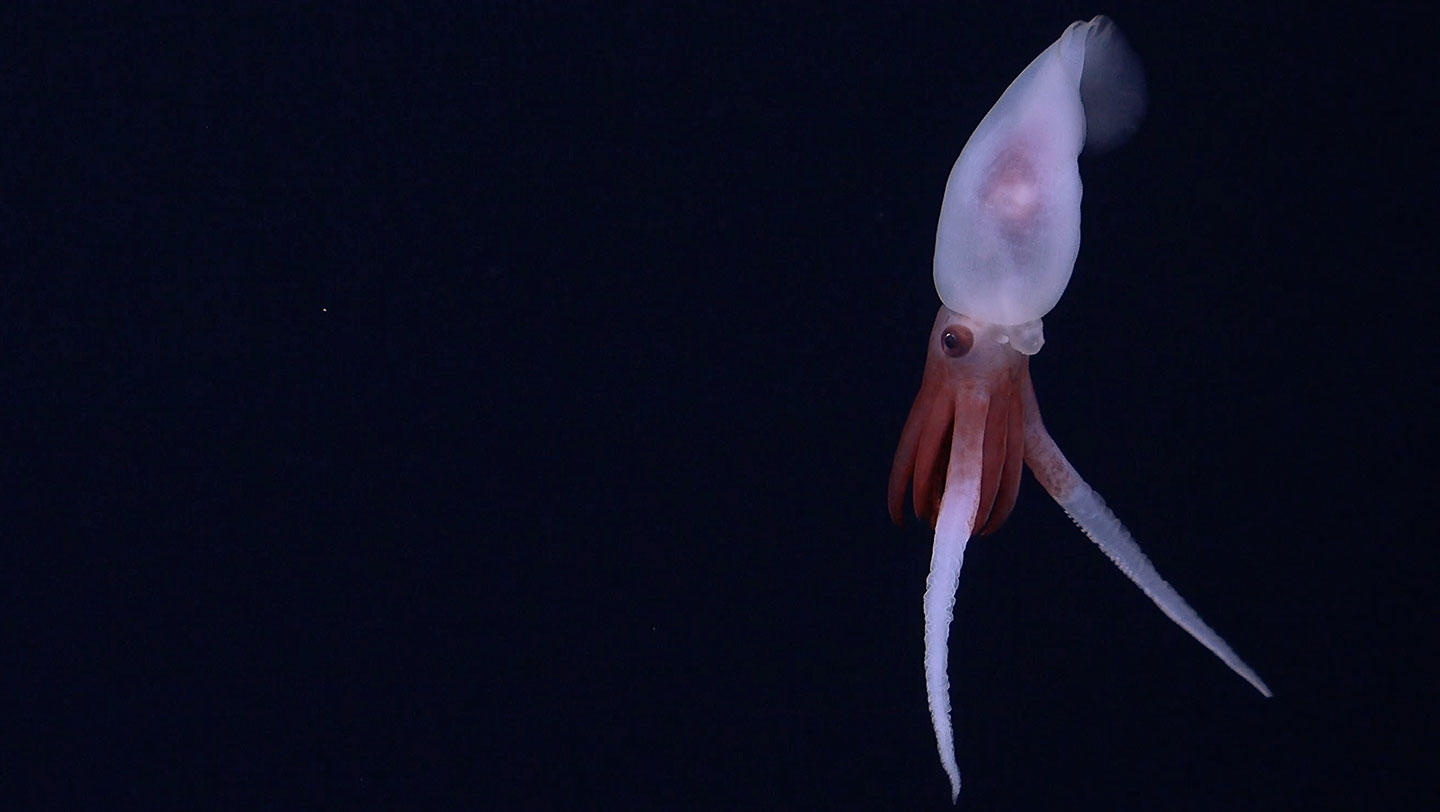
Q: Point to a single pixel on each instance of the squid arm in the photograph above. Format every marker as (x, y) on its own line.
(1085, 507)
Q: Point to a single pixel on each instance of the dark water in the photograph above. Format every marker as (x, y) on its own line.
(487, 408)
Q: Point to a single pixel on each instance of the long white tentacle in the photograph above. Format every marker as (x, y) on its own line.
(1088, 511)
(952, 532)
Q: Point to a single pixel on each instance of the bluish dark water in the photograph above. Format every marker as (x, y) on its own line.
(491, 407)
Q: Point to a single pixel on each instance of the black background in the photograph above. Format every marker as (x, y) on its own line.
(490, 406)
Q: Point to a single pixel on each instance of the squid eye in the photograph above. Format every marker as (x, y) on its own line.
(957, 340)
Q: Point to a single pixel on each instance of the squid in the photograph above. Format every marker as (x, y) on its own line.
(1005, 248)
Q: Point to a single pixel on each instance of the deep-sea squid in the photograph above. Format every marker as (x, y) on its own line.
(1005, 248)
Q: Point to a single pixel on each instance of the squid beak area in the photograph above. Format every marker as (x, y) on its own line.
(936, 424)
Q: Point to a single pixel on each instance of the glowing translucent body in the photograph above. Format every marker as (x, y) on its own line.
(1010, 221)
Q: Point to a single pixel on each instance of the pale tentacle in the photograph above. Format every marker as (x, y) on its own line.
(952, 532)
(1088, 511)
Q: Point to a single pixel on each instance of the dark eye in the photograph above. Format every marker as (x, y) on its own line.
(957, 340)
